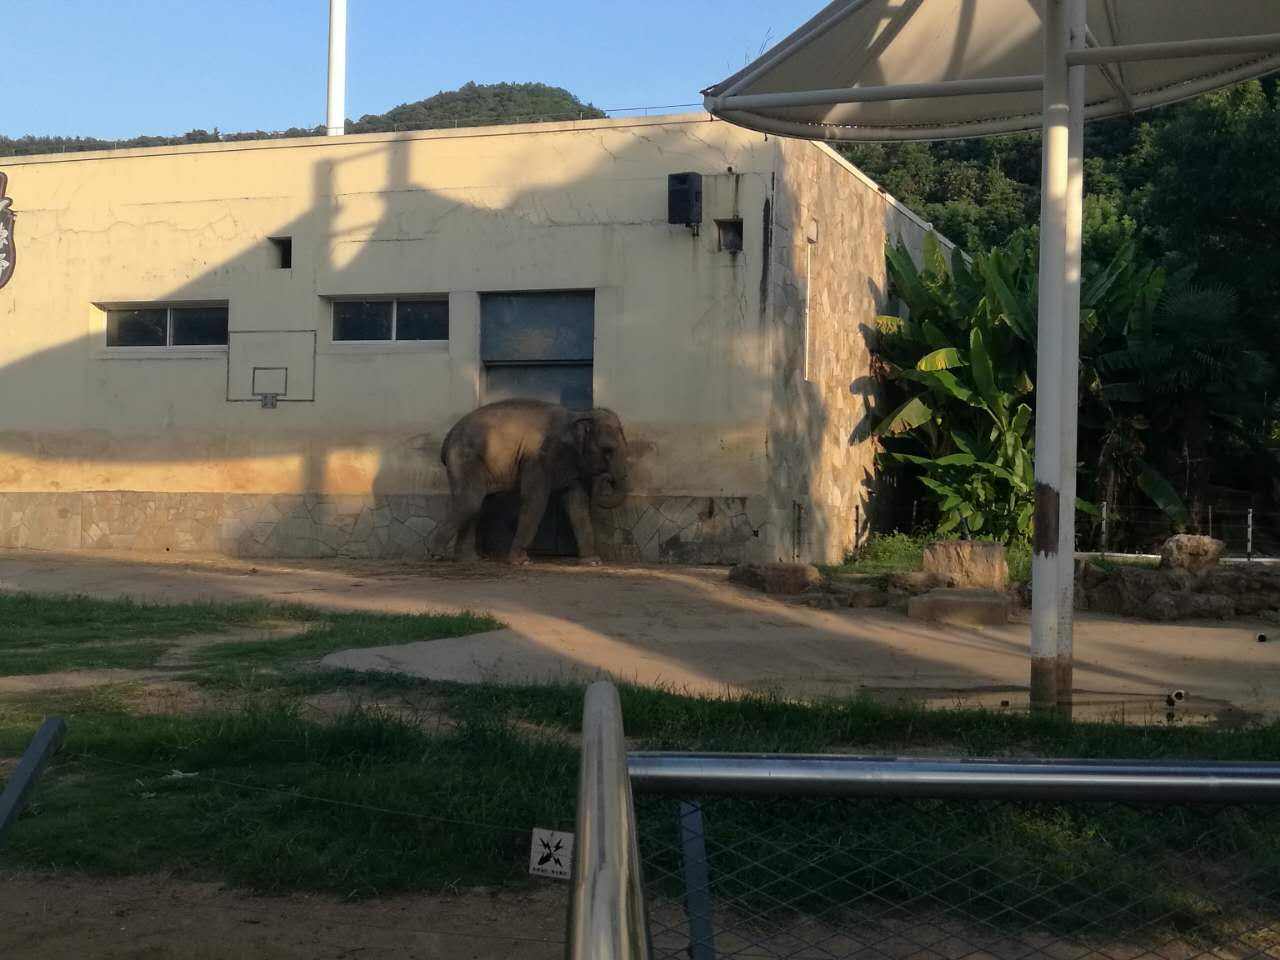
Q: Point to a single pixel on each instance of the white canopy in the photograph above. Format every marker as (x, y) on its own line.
(940, 69)
(853, 46)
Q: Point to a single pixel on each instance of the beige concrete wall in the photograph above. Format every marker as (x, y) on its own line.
(488, 210)
(142, 449)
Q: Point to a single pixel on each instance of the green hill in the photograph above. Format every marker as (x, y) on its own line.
(477, 104)
(472, 104)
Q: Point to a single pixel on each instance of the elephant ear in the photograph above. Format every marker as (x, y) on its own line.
(583, 429)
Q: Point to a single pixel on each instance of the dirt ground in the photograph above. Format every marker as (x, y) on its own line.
(689, 629)
(684, 628)
(65, 917)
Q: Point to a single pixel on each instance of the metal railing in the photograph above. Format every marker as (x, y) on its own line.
(20, 783)
(772, 856)
(826, 775)
(606, 907)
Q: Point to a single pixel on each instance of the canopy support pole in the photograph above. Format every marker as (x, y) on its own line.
(1071, 362)
(1055, 177)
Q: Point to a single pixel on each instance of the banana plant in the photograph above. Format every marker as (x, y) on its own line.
(961, 354)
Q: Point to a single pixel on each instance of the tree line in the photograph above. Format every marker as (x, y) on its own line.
(472, 104)
(1179, 317)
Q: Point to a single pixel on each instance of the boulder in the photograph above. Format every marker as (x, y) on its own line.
(963, 607)
(784, 578)
(866, 596)
(916, 582)
(969, 563)
(1191, 552)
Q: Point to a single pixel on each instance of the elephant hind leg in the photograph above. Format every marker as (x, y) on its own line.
(458, 528)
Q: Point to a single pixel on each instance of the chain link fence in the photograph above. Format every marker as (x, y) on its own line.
(953, 879)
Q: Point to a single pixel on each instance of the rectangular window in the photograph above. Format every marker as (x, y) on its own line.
(375, 320)
(204, 326)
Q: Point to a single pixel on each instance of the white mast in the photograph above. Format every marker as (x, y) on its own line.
(335, 120)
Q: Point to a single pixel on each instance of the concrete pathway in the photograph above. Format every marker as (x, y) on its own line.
(689, 629)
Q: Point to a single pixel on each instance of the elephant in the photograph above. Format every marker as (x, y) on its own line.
(537, 449)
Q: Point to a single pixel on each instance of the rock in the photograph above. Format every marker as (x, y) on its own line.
(1211, 606)
(823, 601)
(1126, 590)
(1187, 551)
(784, 578)
(1254, 587)
(1168, 605)
(918, 582)
(856, 581)
(867, 596)
(969, 563)
(963, 607)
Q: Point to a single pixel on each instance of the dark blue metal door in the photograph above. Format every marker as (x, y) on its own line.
(538, 346)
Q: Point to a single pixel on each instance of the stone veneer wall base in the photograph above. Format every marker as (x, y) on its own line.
(721, 530)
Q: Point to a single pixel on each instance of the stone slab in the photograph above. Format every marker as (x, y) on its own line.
(961, 607)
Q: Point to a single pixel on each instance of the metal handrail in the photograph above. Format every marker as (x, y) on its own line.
(606, 906)
(827, 775)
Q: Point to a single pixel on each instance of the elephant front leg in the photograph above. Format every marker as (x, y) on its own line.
(534, 493)
(578, 506)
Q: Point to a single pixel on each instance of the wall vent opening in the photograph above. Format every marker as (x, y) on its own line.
(284, 252)
(730, 233)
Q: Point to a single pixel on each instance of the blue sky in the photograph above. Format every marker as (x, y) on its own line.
(167, 66)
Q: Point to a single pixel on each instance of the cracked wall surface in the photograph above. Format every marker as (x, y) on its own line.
(694, 344)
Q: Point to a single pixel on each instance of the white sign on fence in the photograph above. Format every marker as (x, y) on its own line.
(550, 854)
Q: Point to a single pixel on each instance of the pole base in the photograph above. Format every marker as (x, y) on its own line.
(1044, 685)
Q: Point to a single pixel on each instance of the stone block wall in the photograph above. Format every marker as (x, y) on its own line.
(827, 286)
(643, 530)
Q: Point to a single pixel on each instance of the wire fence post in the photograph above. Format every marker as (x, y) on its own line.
(1248, 535)
(1103, 551)
(1211, 519)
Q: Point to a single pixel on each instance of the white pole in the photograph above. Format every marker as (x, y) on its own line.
(1071, 361)
(1053, 254)
(335, 118)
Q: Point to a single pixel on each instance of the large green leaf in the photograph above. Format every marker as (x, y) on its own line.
(1162, 493)
(983, 376)
(907, 417)
(934, 261)
(1100, 285)
(943, 381)
(937, 486)
(1021, 420)
(906, 279)
(1015, 311)
(943, 358)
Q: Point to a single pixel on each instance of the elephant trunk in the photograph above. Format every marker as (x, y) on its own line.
(608, 490)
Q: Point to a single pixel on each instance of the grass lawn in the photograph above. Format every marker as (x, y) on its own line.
(420, 785)
(45, 634)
